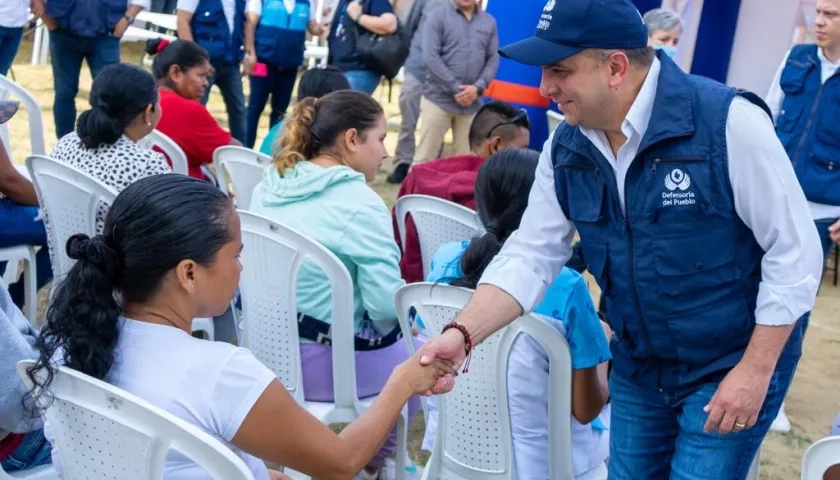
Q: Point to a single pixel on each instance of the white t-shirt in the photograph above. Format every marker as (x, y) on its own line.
(212, 385)
(14, 13)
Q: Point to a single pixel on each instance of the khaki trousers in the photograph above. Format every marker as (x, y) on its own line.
(434, 123)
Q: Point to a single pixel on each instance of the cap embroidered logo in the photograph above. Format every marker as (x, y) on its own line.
(549, 6)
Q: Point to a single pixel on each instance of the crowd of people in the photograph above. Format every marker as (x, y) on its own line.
(681, 370)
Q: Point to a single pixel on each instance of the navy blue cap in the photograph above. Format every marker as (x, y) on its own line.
(567, 27)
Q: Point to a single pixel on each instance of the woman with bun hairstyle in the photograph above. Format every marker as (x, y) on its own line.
(183, 71)
(330, 148)
(125, 107)
(170, 253)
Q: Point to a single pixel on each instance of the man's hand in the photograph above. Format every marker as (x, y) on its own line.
(467, 96)
(120, 28)
(49, 22)
(448, 346)
(834, 231)
(354, 10)
(738, 399)
(37, 8)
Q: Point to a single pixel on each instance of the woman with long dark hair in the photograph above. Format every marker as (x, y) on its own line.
(501, 194)
(170, 253)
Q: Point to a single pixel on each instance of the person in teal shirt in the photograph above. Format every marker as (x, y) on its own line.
(501, 194)
(318, 185)
(315, 82)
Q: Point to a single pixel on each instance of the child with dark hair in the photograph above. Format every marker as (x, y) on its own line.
(501, 194)
(315, 82)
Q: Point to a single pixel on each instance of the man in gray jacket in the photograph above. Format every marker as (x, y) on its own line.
(414, 72)
(22, 442)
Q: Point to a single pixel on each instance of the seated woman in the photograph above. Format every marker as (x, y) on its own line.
(170, 254)
(315, 82)
(20, 222)
(182, 69)
(501, 194)
(124, 109)
(330, 149)
(22, 442)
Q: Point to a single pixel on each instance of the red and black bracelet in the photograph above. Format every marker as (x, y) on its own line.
(468, 345)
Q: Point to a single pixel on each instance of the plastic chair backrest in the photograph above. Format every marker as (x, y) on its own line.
(271, 260)
(474, 437)
(554, 120)
(11, 89)
(104, 432)
(243, 168)
(172, 150)
(70, 199)
(820, 456)
(437, 221)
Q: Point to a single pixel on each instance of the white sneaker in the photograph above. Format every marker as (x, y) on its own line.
(781, 422)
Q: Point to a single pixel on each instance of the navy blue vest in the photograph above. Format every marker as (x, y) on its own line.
(808, 125)
(210, 30)
(87, 18)
(281, 35)
(680, 271)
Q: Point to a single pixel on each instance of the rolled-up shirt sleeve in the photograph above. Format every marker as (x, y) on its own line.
(532, 257)
(770, 201)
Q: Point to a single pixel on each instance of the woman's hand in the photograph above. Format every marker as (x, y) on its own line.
(420, 378)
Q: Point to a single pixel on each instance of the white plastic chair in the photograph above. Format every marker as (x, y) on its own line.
(474, 437)
(172, 150)
(70, 198)
(11, 89)
(26, 254)
(243, 168)
(104, 432)
(820, 456)
(437, 221)
(271, 260)
(554, 120)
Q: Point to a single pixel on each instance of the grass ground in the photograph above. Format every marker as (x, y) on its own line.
(812, 403)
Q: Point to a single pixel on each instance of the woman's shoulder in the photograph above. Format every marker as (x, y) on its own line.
(446, 262)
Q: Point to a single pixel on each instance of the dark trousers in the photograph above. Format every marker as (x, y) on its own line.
(279, 84)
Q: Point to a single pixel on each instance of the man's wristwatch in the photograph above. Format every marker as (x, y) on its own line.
(479, 90)
(129, 19)
(358, 17)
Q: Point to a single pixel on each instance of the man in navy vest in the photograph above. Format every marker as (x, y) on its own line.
(219, 27)
(83, 31)
(694, 226)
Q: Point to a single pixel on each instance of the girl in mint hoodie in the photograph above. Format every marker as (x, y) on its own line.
(331, 147)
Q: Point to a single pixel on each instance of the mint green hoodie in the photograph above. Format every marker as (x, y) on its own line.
(337, 208)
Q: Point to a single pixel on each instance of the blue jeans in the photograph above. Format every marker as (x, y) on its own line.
(226, 76)
(279, 83)
(34, 451)
(659, 435)
(67, 51)
(18, 226)
(9, 43)
(363, 80)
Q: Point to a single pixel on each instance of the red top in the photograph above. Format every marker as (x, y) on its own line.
(9, 444)
(191, 126)
(451, 179)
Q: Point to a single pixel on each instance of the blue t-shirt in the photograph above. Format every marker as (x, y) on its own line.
(342, 39)
(566, 301)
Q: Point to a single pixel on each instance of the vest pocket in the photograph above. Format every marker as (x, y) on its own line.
(788, 117)
(793, 76)
(822, 180)
(585, 190)
(687, 265)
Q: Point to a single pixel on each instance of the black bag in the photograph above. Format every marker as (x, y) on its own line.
(385, 54)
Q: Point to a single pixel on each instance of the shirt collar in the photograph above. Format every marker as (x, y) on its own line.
(824, 60)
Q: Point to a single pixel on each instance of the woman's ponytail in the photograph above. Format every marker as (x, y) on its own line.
(81, 328)
(477, 257)
(296, 142)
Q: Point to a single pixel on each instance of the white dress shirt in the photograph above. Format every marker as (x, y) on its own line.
(774, 100)
(767, 195)
(228, 5)
(14, 13)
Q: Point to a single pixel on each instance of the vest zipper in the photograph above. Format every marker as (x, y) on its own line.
(686, 159)
(805, 135)
(631, 277)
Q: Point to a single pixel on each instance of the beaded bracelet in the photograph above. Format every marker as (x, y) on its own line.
(468, 345)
